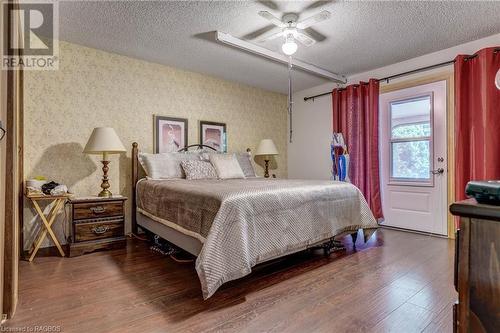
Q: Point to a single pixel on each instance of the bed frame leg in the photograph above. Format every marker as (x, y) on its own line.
(354, 237)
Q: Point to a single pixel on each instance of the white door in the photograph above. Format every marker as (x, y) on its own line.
(413, 158)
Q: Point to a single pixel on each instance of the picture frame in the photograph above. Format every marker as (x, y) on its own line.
(213, 134)
(170, 134)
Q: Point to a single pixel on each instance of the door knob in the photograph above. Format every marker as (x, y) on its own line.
(438, 171)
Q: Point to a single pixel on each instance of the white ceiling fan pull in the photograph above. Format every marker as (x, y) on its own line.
(274, 20)
(321, 16)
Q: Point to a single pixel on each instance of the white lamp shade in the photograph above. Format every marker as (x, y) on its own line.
(266, 147)
(104, 140)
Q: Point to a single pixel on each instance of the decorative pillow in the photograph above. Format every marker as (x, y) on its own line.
(165, 165)
(199, 170)
(245, 161)
(227, 166)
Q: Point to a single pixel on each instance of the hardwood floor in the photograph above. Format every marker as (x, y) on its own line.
(397, 282)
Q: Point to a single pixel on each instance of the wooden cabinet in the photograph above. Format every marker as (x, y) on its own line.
(96, 223)
(477, 267)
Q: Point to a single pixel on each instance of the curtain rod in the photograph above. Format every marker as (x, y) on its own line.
(422, 69)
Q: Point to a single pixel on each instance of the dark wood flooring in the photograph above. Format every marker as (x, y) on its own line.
(397, 282)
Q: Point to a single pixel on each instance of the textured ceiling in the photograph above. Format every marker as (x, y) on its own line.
(359, 36)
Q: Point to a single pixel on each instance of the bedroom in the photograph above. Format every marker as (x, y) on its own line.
(331, 144)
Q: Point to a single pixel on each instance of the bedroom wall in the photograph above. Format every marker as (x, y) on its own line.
(94, 88)
(309, 154)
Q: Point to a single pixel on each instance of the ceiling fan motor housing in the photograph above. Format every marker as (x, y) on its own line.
(290, 19)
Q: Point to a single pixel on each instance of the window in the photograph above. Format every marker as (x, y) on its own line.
(411, 139)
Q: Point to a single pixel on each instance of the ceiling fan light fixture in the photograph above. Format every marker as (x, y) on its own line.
(289, 47)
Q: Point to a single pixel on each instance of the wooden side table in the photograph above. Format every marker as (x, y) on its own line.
(97, 223)
(57, 202)
(477, 267)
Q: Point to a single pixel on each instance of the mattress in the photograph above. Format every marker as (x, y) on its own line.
(242, 222)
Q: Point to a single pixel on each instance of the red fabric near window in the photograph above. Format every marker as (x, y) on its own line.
(355, 115)
(477, 119)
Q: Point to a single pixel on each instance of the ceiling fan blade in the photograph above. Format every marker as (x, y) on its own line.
(314, 34)
(317, 4)
(262, 32)
(269, 4)
(270, 37)
(321, 16)
(305, 39)
(274, 20)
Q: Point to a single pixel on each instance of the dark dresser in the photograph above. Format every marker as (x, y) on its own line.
(96, 223)
(477, 267)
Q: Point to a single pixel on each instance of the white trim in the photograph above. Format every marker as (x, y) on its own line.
(173, 225)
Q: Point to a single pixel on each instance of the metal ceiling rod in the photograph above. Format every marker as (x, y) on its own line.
(227, 39)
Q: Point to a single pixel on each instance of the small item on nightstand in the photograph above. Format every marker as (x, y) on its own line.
(46, 188)
(485, 192)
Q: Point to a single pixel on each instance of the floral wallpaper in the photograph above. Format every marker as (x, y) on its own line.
(94, 88)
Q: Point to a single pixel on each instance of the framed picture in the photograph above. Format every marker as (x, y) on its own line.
(171, 134)
(213, 135)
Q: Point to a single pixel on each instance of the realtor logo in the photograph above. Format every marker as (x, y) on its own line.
(33, 43)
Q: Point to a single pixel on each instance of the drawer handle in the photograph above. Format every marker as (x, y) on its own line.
(99, 230)
(97, 209)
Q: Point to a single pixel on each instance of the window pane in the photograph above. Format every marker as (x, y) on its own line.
(411, 160)
(411, 118)
(411, 130)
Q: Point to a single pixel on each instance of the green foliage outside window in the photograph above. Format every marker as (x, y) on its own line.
(411, 159)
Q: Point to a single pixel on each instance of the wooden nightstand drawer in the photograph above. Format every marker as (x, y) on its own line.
(92, 210)
(97, 224)
(98, 229)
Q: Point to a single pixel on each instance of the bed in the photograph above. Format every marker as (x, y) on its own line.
(234, 224)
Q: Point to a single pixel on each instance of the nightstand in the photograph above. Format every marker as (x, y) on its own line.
(96, 223)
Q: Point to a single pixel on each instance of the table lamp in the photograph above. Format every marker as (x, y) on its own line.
(104, 140)
(267, 149)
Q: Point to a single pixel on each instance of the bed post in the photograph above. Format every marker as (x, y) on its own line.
(135, 176)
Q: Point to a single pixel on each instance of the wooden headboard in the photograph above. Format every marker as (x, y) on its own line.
(135, 179)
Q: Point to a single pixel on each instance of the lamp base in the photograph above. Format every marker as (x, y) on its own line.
(105, 193)
(266, 170)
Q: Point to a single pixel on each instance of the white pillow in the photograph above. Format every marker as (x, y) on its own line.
(227, 166)
(165, 165)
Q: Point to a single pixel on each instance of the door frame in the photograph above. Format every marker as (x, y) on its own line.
(447, 76)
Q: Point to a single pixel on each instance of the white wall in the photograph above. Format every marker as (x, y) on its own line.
(309, 153)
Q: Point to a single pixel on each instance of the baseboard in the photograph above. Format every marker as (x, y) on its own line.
(414, 231)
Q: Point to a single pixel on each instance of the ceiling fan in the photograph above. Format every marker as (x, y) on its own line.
(291, 29)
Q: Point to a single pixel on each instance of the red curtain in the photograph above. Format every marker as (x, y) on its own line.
(477, 119)
(355, 115)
